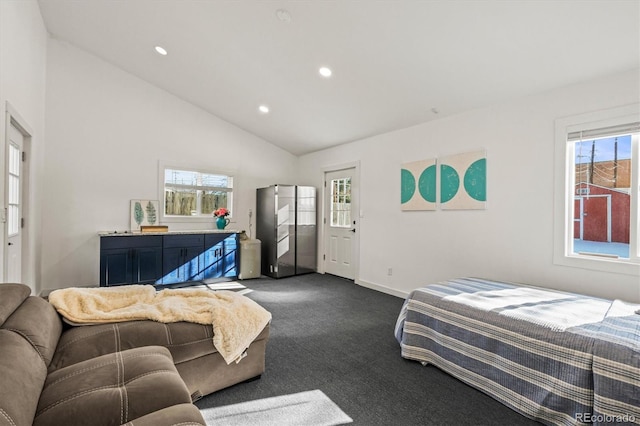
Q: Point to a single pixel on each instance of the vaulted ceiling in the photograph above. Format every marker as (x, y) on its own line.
(394, 63)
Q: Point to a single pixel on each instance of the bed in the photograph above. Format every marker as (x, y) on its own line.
(555, 357)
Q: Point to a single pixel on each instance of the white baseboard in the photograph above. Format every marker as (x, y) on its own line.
(383, 289)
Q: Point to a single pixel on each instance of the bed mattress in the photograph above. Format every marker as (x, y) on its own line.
(556, 357)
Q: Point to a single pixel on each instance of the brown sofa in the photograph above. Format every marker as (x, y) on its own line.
(135, 373)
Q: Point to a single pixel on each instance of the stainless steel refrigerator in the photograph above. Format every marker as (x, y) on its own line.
(286, 226)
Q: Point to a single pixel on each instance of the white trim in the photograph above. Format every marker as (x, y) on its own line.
(162, 165)
(321, 231)
(20, 122)
(13, 117)
(564, 180)
(383, 289)
(634, 229)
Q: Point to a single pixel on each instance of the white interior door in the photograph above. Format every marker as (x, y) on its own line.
(14, 182)
(340, 223)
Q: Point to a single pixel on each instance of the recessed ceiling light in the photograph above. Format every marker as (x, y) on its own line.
(325, 72)
(264, 109)
(161, 50)
(283, 15)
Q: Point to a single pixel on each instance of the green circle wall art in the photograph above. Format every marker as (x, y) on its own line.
(427, 184)
(449, 183)
(418, 185)
(475, 180)
(463, 181)
(407, 185)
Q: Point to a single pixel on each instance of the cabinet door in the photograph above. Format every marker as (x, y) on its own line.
(182, 258)
(115, 267)
(130, 260)
(147, 265)
(181, 264)
(172, 266)
(231, 256)
(219, 258)
(191, 263)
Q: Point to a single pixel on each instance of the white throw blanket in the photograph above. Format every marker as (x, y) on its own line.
(236, 319)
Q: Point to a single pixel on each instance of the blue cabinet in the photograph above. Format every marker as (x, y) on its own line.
(220, 256)
(130, 260)
(167, 259)
(181, 258)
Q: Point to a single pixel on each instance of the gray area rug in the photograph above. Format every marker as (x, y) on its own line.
(312, 408)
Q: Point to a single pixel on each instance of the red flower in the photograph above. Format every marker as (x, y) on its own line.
(221, 212)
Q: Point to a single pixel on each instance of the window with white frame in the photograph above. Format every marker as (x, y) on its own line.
(191, 193)
(341, 202)
(597, 222)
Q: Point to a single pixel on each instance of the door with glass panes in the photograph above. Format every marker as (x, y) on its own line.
(340, 223)
(14, 221)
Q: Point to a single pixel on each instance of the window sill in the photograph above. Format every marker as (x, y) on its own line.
(597, 263)
(188, 219)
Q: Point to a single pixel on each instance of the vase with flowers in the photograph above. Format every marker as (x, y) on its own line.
(221, 217)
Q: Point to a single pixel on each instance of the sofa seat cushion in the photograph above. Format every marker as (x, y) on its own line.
(177, 415)
(185, 340)
(111, 389)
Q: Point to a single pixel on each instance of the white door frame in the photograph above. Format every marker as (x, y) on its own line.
(355, 195)
(12, 117)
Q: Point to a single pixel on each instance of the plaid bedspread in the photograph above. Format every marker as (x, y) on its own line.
(558, 358)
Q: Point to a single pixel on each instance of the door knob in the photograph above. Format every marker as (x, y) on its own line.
(353, 230)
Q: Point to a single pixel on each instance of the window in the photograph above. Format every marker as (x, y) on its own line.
(189, 193)
(341, 202)
(13, 209)
(597, 192)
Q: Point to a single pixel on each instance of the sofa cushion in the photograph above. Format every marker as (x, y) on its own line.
(184, 340)
(177, 415)
(111, 389)
(11, 296)
(22, 375)
(38, 323)
(211, 373)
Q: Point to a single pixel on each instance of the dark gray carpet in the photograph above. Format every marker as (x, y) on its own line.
(331, 334)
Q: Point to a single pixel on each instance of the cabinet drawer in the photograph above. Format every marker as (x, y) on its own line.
(211, 240)
(172, 241)
(130, 242)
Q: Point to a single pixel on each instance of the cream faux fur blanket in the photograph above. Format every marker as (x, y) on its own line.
(236, 319)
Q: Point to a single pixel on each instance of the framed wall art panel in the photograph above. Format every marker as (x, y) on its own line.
(463, 181)
(418, 185)
(144, 213)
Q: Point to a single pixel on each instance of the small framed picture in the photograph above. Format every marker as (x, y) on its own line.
(144, 213)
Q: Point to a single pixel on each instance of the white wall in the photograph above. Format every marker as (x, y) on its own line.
(107, 131)
(513, 239)
(23, 42)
